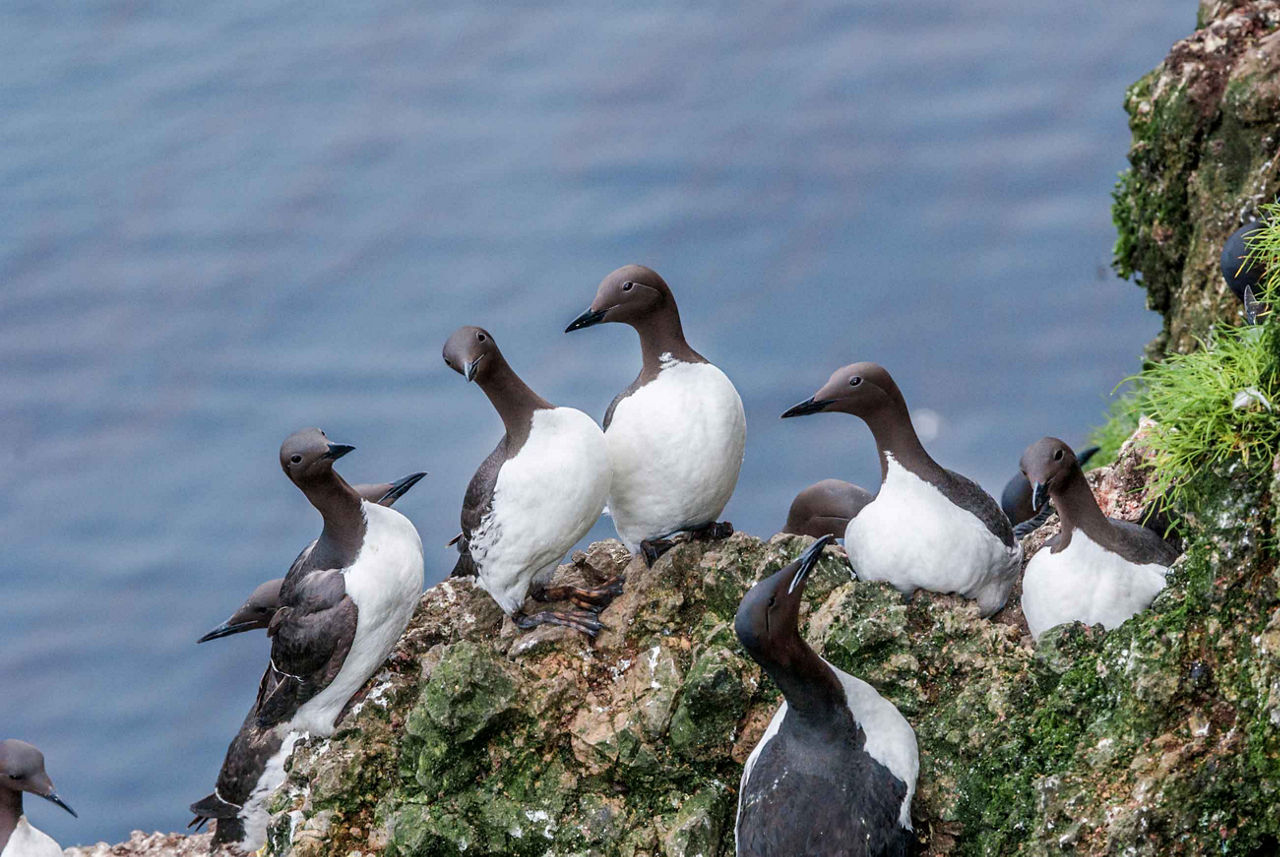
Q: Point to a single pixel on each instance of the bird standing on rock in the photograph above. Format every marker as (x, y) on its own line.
(835, 771)
(22, 770)
(262, 603)
(343, 606)
(1097, 570)
(539, 492)
(927, 528)
(676, 436)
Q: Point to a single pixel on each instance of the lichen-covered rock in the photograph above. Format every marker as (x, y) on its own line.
(1206, 135)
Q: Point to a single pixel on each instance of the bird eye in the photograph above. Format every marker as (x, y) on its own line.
(481, 337)
(626, 287)
(855, 381)
(295, 458)
(1057, 456)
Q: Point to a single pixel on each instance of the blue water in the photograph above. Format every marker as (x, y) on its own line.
(222, 222)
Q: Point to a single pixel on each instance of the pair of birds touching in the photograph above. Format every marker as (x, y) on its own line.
(836, 769)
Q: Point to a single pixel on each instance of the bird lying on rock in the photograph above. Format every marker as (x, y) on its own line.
(825, 508)
(676, 436)
(343, 606)
(834, 773)
(1097, 570)
(927, 528)
(22, 770)
(262, 603)
(539, 492)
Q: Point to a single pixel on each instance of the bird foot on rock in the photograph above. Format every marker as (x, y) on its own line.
(578, 620)
(592, 599)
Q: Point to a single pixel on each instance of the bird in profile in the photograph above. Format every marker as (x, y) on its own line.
(539, 492)
(22, 771)
(677, 434)
(927, 528)
(343, 606)
(261, 605)
(834, 773)
(1096, 570)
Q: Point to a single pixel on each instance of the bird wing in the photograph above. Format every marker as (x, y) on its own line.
(477, 503)
(967, 494)
(311, 636)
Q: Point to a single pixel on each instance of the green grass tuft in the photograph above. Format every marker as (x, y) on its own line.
(1264, 248)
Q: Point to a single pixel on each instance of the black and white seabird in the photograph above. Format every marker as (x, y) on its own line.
(676, 436)
(22, 770)
(825, 508)
(1097, 570)
(343, 606)
(539, 491)
(927, 528)
(1242, 273)
(1015, 500)
(836, 769)
(262, 603)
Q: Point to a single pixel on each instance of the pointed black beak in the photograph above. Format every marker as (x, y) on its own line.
(52, 797)
(399, 488)
(588, 318)
(1083, 456)
(469, 368)
(1039, 495)
(808, 406)
(808, 560)
(226, 629)
(337, 450)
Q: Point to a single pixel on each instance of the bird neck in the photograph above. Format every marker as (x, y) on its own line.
(662, 337)
(1079, 510)
(895, 435)
(10, 812)
(807, 682)
(512, 398)
(339, 506)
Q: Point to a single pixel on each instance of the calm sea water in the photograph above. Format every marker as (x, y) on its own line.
(225, 221)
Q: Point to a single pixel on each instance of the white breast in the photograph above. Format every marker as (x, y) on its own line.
(26, 841)
(913, 537)
(890, 739)
(1086, 583)
(544, 500)
(254, 814)
(385, 582)
(676, 445)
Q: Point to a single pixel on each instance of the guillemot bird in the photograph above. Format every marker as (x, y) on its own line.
(927, 528)
(1244, 273)
(1015, 500)
(825, 508)
(676, 436)
(1097, 570)
(22, 770)
(836, 768)
(539, 492)
(343, 606)
(262, 603)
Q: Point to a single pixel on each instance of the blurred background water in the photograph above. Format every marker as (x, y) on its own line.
(224, 221)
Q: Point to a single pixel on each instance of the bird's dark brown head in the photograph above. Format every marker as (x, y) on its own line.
(860, 389)
(1048, 465)
(307, 454)
(628, 295)
(768, 619)
(22, 770)
(472, 353)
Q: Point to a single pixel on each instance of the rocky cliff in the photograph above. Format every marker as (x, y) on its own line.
(1161, 737)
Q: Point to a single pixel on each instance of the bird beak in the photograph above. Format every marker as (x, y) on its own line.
(808, 560)
(337, 450)
(588, 318)
(399, 487)
(469, 368)
(226, 629)
(1039, 495)
(808, 406)
(52, 797)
